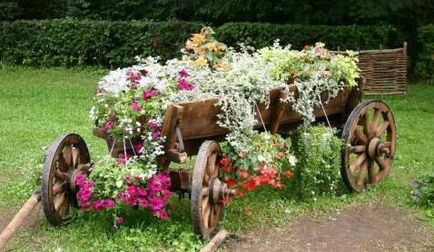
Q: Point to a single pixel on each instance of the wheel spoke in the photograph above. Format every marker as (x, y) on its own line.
(362, 174)
(380, 130)
(365, 125)
(356, 163)
(205, 212)
(58, 188)
(211, 165)
(358, 149)
(59, 201)
(67, 155)
(383, 164)
(60, 175)
(375, 118)
(75, 156)
(371, 172)
(361, 136)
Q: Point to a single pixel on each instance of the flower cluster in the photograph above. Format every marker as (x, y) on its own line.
(313, 71)
(130, 104)
(153, 194)
(204, 50)
(265, 164)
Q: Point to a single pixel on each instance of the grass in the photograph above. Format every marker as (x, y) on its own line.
(36, 105)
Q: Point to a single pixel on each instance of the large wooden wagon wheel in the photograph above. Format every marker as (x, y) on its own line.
(206, 190)
(67, 155)
(369, 145)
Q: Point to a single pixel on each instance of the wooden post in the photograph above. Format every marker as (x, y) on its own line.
(216, 241)
(18, 219)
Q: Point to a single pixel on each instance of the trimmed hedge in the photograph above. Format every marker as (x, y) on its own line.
(425, 62)
(71, 42)
(335, 37)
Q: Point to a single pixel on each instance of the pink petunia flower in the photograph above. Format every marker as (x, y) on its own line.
(148, 94)
(183, 73)
(183, 84)
(135, 106)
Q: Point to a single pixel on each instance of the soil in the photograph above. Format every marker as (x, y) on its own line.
(362, 228)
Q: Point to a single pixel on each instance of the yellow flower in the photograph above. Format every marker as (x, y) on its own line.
(200, 61)
(197, 38)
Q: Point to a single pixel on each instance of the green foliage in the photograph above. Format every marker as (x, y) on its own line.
(425, 63)
(425, 190)
(70, 42)
(335, 37)
(317, 171)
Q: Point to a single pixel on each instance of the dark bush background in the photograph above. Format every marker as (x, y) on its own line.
(407, 17)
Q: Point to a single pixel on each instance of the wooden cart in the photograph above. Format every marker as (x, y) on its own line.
(368, 130)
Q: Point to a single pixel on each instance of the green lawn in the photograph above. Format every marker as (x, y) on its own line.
(38, 105)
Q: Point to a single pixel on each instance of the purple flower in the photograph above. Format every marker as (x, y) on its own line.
(148, 94)
(135, 106)
(156, 133)
(183, 73)
(183, 84)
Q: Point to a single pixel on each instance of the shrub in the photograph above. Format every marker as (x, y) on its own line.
(70, 42)
(317, 171)
(335, 37)
(424, 191)
(425, 63)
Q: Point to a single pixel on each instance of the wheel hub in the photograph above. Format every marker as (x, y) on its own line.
(374, 148)
(216, 189)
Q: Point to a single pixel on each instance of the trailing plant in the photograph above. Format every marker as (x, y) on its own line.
(317, 171)
(268, 161)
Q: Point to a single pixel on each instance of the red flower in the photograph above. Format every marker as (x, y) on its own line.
(281, 155)
(252, 183)
(227, 168)
(287, 174)
(224, 161)
(231, 182)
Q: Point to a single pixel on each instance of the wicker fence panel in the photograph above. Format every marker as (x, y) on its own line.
(384, 71)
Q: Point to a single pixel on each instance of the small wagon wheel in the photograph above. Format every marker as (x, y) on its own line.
(206, 191)
(67, 155)
(369, 145)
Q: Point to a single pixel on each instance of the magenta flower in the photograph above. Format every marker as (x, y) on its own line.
(163, 215)
(99, 205)
(153, 124)
(135, 106)
(183, 73)
(138, 148)
(148, 94)
(133, 76)
(183, 84)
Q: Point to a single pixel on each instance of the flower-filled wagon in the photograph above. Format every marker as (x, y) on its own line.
(153, 114)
